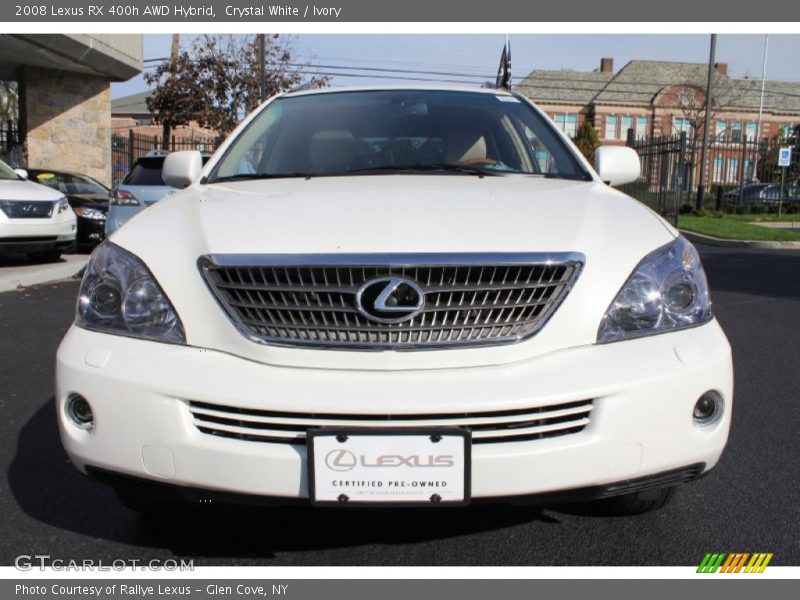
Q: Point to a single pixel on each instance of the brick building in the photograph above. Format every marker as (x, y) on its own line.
(63, 83)
(131, 113)
(661, 99)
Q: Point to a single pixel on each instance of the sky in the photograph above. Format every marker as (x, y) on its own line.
(479, 54)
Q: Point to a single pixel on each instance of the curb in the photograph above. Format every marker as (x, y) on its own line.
(699, 238)
(12, 278)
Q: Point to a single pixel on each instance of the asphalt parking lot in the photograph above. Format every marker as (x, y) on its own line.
(749, 503)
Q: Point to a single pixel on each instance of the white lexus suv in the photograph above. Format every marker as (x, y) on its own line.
(34, 218)
(396, 297)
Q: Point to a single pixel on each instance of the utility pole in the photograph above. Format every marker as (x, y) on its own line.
(701, 189)
(166, 128)
(262, 68)
(176, 47)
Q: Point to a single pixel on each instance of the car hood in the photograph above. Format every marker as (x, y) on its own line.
(396, 214)
(97, 201)
(18, 189)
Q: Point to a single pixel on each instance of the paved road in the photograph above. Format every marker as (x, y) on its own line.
(751, 502)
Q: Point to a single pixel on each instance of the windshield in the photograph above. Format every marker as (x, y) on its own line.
(7, 172)
(397, 131)
(68, 183)
(146, 171)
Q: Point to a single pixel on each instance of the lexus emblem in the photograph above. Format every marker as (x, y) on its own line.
(28, 208)
(390, 299)
(340, 460)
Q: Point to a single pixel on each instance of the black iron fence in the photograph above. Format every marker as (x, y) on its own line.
(11, 143)
(126, 148)
(662, 184)
(670, 172)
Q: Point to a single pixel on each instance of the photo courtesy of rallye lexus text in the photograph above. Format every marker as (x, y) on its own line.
(396, 296)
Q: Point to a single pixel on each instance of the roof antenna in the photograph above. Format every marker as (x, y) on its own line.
(504, 70)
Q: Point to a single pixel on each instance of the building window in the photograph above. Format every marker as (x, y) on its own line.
(719, 166)
(736, 132)
(144, 121)
(611, 127)
(627, 123)
(641, 128)
(682, 125)
(721, 132)
(749, 169)
(752, 131)
(568, 123)
(788, 131)
(733, 170)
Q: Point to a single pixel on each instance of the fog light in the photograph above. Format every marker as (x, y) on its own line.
(80, 412)
(708, 408)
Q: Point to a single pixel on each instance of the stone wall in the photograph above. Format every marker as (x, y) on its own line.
(67, 117)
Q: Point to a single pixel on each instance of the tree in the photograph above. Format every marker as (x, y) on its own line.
(587, 140)
(688, 99)
(175, 99)
(9, 101)
(217, 82)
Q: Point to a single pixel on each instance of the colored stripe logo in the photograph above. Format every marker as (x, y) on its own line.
(735, 562)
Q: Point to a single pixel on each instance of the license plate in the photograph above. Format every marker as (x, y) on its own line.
(401, 467)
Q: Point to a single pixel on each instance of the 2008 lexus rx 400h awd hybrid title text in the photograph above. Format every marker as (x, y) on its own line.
(396, 296)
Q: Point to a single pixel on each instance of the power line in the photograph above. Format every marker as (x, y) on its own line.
(610, 89)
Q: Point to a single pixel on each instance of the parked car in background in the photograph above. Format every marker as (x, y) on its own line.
(772, 194)
(762, 193)
(34, 219)
(87, 197)
(140, 188)
(747, 194)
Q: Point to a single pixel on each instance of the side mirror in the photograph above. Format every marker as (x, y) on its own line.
(22, 173)
(182, 168)
(617, 164)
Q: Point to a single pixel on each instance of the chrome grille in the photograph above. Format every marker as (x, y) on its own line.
(486, 427)
(310, 300)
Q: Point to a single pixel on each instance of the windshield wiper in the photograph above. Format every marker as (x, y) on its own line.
(423, 168)
(251, 176)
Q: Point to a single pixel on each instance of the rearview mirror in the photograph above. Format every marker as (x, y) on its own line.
(182, 168)
(617, 165)
(22, 173)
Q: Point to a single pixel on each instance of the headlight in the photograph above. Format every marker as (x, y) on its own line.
(119, 295)
(90, 213)
(666, 291)
(61, 205)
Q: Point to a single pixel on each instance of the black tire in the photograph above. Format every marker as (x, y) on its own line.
(46, 256)
(636, 503)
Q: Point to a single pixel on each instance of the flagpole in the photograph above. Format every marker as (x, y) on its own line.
(760, 107)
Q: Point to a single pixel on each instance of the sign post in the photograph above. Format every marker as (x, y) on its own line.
(784, 160)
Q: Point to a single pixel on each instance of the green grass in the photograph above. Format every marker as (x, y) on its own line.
(739, 227)
(765, 218)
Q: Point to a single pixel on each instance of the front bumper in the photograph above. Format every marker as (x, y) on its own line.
(37, 234)
(90, 231)
(643, 393)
